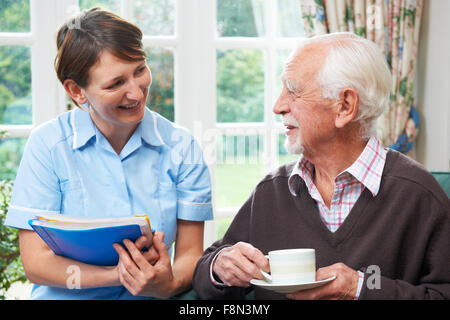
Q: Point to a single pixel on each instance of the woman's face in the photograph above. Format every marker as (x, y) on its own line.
(117, 92)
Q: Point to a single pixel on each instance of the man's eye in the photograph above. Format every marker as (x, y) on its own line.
(293, 94)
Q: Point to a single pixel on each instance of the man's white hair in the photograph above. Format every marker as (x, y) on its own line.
(358, 63)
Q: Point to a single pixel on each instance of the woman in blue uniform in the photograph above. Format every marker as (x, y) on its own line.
(111, 157)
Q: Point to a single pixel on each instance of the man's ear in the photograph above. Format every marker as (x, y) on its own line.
(74, 91)
(347, 108)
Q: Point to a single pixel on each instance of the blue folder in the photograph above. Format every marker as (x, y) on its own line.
(93, 246)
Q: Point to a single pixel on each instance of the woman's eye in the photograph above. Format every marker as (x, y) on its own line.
(140, 70)
(115, 84)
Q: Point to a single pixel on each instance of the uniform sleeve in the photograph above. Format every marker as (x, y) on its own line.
(36, 188)
(194, 186)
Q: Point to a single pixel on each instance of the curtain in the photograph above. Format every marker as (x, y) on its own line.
(394, 26)
(258, 15)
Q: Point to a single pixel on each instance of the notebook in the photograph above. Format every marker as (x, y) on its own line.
(89, 240)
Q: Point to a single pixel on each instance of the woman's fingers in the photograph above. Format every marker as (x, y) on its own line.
(160, 247)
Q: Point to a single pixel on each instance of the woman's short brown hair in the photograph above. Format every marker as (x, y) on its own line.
(83, 37)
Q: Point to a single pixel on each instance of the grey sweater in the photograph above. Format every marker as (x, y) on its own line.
(404, 231)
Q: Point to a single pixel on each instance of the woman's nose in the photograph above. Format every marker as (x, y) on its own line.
(135, 91)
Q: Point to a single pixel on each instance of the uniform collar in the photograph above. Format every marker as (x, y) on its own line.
(149, 129)
(84, 129)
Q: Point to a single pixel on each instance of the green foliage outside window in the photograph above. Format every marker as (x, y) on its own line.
(15, 108)
(11, 269)
(15, 83)
(161, 96)
(237, 18)
(240, 86)
(15, 16)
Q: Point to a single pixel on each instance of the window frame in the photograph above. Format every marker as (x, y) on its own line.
(269, 128)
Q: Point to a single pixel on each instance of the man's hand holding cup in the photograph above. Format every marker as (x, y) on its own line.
(240, 263)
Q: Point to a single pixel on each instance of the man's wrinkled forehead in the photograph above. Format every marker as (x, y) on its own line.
(303, 62)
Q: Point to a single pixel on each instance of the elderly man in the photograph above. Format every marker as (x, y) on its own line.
(378, 221)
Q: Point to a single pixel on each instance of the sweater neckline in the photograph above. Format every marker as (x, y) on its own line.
(307, 206)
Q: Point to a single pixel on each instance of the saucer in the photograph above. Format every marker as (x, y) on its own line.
(292, 287)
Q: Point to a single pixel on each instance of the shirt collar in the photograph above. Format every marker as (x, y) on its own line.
(149, 129)
(83, 128)
(367, 169)
(303, 170)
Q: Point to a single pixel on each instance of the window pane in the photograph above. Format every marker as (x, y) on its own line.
(15, 85)
(110, 5)
(222, 226)
(240, 85)
(283, 155)
(11, 150)
(14, 15)
(156, 17)
(243, 18)
(161, 97)
(289, 19)
(239, 168)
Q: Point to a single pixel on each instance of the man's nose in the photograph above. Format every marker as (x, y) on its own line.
(281, 105)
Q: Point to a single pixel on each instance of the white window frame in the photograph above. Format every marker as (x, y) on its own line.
(194, 45)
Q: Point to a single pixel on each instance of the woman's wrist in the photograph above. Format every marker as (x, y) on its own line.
(177, 287)
(110, 276)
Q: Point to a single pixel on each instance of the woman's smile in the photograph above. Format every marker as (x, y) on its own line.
(131, 108)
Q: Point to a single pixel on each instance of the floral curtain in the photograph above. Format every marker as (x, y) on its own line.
(394, 26)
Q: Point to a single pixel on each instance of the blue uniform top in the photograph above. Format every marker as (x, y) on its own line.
(69, 167)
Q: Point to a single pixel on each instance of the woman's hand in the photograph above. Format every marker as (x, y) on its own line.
(141, 273)
(151, 255)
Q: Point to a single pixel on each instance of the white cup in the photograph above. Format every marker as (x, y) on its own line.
(291, 266)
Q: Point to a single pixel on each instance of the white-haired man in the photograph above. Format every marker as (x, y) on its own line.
(361, 206)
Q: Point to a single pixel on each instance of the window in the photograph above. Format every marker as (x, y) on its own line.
(215, 67)
(254, 38)
(15, 91)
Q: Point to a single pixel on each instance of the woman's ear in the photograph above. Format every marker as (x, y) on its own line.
(347, 108)
(74, 91)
